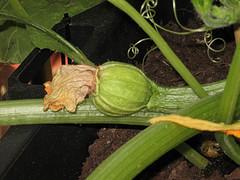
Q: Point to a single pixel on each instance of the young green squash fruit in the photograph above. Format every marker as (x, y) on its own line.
(121, 89)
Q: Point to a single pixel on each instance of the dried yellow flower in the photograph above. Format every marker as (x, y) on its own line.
(69, 87)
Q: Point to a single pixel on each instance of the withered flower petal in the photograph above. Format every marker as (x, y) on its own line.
(69, 87)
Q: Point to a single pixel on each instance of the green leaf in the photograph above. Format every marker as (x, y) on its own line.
(202, 6)
(12, 38)
(15, 41)
(226, 13)
(47, 38)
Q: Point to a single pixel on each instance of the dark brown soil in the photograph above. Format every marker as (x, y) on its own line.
(193, 53)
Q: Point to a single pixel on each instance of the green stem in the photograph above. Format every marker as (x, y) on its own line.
(162, 45)
(227, 107)
(231, 90)
(153, 142)
(20, 112)
(192, 155)
(169, 100)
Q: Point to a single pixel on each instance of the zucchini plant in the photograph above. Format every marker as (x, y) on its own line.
(146, 156)
(116, 89)
(122, 94)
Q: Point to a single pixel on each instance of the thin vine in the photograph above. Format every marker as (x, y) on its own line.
(147, 10)
(209, 42)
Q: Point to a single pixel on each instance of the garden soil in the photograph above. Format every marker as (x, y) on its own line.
(172, 166)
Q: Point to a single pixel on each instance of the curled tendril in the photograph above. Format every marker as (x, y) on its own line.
(209, 41)
(148, 11)
(190, 30)
(133, 50)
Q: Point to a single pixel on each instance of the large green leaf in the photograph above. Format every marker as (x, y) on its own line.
(44, 37)
(15, 40)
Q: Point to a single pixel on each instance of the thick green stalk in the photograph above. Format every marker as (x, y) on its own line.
(22, 112)
(19, 112)
(169, 100)
(162, 45)
(227, 107)
(153, 142)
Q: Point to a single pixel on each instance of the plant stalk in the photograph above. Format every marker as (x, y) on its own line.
(192, 156)
(165, 100)
(23, 112)
(169, 100)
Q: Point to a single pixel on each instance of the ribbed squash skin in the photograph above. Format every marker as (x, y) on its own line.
(121, 89)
